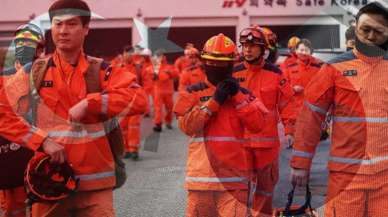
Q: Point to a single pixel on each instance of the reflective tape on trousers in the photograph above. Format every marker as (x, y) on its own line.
(358, 161)
(302, 154)
(215, 179)
(315, 108)
(263, 139)
(76, 134)
(264, 193)
(96, 176)
(217, 139)
(361, 119)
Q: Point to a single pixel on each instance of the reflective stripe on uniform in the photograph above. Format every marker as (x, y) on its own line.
(358, 161)
(315, 108)
(264, 193)
(360, 119)
(241, 105)
(263, 139)
(13, 213)
(96, 176)
(28, 136)
(76, 134)
(216, 139)
(207, 110)
(302, 154)
(215, 179)
(104, 104)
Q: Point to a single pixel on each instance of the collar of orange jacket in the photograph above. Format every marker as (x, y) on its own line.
(82, 63)
(254, 67)
(365, 58)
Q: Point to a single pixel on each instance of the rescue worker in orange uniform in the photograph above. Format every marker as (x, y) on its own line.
(67, 124)
(184, 61)
(29, 41)
(267, 83)
(163, 77)
(214, 113)
(135, 63)
(354, 85)
(273, 47)
(301, 72)
(291, 58)
(192, 74)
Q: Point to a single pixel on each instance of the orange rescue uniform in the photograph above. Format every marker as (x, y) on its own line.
(300, 73)
(354, 86)
(267, 83)
(190, 76)
(163, 91)
(218, 168)
(86, 147)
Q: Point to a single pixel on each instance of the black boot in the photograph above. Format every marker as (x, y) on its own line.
(135, 156)
(127, 155)
(169, 126)
(158, 128)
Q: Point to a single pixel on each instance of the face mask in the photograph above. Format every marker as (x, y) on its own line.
(349, 48)
(371, 50)
(217, 74)
(25, 54)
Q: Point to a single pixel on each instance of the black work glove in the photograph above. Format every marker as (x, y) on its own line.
(232, 85)
(222, 92)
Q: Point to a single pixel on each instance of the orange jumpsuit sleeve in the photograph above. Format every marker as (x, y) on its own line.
(319, 96)
(121, 95)
(287, 105)
(250, 111)
(192, 117)
(13, 126)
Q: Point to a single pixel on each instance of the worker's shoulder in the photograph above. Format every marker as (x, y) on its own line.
(239, 67)
(8, 71)
(197, 87)
(272, 68)
(345, 57)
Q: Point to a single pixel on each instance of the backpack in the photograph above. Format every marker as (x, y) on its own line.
(93, 85)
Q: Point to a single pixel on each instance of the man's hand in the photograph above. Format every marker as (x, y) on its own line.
(299, 177)
(298, 89)
(78, 111)
(56, 151)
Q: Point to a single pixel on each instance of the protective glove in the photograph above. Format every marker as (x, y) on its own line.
(222, 92)
(299, 177)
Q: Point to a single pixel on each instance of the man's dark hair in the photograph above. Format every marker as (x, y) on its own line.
(350, 33)
(373, 8)
(75, 7)
(306, 43)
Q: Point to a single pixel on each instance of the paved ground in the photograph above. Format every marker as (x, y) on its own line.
(155, 183)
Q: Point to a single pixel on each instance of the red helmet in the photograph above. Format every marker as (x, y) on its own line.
(220, 48)
(45, 181)
(254, 35)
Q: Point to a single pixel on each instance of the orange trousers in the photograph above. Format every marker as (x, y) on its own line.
(13, 202)
(133, 134)
(82, 204)
(357, 195)
(163, 100)
(216, 203)
(267, 178)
